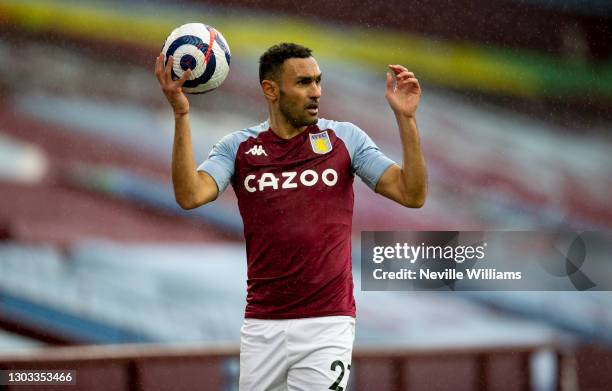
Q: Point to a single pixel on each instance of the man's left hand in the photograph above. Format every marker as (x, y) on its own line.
(404, 96)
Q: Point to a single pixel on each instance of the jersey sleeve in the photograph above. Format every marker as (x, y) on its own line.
(367, 160)
(220, 162)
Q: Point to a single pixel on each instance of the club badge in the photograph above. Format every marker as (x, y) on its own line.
(320, 142)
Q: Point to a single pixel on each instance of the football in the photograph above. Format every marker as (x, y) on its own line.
(202, 49)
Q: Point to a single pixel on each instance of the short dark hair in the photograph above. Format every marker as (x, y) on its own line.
(272, 60)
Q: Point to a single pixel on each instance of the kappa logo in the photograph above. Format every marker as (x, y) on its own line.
(256, 150)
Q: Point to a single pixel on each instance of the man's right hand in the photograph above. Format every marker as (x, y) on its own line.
(172, 89)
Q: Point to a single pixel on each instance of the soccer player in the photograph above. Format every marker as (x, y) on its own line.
(293, 177)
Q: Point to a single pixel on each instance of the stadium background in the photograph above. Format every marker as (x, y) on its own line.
(515, 122)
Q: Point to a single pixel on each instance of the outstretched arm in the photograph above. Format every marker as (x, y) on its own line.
(191, 188)
(406, 185)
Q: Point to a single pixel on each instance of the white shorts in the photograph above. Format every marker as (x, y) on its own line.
(306, 354)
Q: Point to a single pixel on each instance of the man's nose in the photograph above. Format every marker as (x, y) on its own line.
(315, 91)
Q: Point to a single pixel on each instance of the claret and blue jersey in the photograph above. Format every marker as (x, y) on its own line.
(296, 200)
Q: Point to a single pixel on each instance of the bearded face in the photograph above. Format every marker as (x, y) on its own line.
(300, 91)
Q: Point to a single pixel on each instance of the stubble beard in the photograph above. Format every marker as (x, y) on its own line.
(294, 119)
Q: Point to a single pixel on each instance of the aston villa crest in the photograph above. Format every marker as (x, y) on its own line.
(320, 142)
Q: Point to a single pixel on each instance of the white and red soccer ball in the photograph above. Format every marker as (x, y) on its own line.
(202, 49)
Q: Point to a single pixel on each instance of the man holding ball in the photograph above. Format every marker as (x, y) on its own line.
(293, 177)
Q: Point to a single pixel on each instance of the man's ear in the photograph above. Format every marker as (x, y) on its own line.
(270, 89)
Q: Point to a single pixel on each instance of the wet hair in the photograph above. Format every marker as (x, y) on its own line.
(272, 60)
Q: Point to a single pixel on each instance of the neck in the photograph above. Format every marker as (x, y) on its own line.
(283, 128)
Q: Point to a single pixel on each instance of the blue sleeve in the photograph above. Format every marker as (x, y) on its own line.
(367, 161)
(220, 162)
